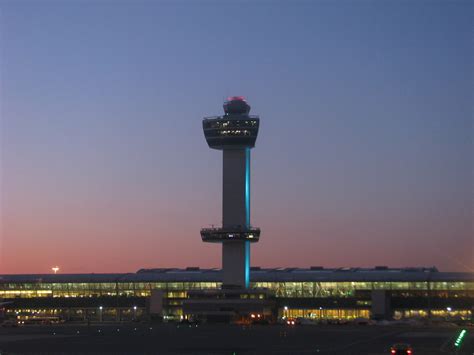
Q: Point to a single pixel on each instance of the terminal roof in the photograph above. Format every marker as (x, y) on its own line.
(314, 274)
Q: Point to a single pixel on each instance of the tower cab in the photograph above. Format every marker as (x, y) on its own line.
(236, 129)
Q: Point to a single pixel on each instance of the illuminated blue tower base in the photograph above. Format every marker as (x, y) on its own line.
(235, 134)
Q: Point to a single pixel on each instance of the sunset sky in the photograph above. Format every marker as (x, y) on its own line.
(364, 156)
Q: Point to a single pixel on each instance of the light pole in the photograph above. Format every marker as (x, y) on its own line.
(448, 315)
(100, 314)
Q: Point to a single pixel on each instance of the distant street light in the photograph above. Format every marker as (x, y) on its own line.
(55, 269)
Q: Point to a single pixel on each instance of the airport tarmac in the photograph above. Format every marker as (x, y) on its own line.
(209, 339)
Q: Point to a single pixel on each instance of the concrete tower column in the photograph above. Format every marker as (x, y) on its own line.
(236, 213)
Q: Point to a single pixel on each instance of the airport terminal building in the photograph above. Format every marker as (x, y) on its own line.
(315, 293)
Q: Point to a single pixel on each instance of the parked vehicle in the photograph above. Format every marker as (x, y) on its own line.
(401, 348)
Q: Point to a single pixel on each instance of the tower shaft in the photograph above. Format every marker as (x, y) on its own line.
(236, 213)
(236, 188)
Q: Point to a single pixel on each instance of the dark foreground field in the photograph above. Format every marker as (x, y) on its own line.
(225, 339)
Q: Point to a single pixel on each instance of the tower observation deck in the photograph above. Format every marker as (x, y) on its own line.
(235, 134)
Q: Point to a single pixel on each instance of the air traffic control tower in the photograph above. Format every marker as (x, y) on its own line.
(235, 134)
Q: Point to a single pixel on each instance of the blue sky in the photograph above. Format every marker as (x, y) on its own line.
(364, 155)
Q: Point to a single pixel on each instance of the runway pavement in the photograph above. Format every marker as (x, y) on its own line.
(141, 338)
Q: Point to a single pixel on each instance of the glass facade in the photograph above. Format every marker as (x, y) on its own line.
(280, 289)
(220, 132)
(326, 314)
(128, 289)
(350, 289)
(316, 300)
